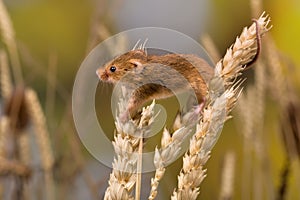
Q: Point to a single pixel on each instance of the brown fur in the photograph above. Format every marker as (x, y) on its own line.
(156, 77)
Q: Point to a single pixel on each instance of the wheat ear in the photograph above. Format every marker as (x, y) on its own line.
(126, 144)
(5, 79)
(42, 136)
(4, 129)
(8, 36)
(242, 52)
(171, 145)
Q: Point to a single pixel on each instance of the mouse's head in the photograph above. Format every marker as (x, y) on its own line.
(114, 70)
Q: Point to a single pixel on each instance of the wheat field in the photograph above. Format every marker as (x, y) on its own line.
(254, 156)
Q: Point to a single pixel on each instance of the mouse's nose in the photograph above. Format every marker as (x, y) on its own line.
(102, 74)
(98, 73)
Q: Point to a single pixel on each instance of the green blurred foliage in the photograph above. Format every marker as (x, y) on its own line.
(286, 18)
(59, 27)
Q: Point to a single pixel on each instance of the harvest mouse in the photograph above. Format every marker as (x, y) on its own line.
(157, 76)
(160, 76)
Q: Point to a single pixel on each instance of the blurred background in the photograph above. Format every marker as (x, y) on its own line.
(48, 40)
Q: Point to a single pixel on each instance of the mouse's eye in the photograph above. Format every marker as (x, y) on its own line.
(112, 68)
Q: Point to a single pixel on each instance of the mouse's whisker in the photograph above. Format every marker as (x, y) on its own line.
(144, 44)
(136, 44)
(141, 47)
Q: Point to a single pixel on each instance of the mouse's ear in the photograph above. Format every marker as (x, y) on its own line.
(138, 66)
(135, 62)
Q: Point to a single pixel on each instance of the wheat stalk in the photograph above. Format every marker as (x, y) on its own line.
(8, 36)
(245, 108)
(227, 70)
(210, 47)
(278, 86)
(25, 158)
(263, 171)
(227, 177)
